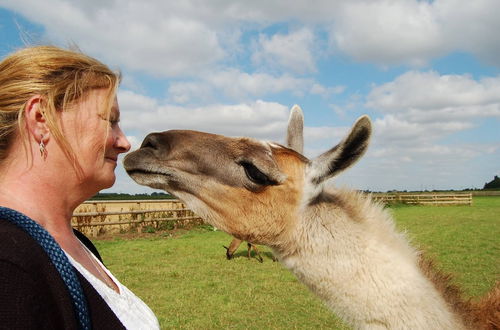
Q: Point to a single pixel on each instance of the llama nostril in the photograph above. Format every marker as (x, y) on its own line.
(151, 141)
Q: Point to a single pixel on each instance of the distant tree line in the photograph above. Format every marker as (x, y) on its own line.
(122, 196)
(493, 184)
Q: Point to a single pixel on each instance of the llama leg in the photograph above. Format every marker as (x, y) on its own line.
(258, 253)
(235, 244)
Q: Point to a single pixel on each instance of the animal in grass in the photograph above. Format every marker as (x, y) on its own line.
(338, 242)
(235, 244)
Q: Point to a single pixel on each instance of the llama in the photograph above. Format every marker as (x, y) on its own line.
(235, 244)
(339, 243)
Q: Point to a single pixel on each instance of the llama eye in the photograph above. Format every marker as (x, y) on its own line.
(255, 175)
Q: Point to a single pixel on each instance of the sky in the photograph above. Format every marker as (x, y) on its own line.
(426, 72)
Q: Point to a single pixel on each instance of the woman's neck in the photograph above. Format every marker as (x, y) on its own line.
(48, 202)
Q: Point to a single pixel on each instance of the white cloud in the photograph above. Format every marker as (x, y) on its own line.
(325, 91)
(452, 101)
(468, 26)
(327, 133)
(186, 92)
(400, 133)
(148, 38)
(184, 38)
(429, 90)
(239, 84)
(413, 32)
(262, 120)
(236, 85)
(259, 119)
(421, 108)
(387, 32)
(292, 51)
(420, 111)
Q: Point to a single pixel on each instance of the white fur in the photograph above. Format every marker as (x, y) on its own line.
(364, 270)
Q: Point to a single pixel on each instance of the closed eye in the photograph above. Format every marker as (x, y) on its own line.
(256, 175)
(113, 119)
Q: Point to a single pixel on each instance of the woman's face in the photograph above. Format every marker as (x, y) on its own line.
(96, 141)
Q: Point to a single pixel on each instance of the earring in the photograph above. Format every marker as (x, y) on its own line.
(42, 147)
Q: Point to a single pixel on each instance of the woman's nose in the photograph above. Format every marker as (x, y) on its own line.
(122, 142)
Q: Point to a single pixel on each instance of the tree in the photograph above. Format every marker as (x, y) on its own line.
(494, 184)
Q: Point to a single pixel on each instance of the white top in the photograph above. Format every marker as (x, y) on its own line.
(130, 309)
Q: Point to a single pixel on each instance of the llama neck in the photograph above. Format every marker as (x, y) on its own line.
(352, 257)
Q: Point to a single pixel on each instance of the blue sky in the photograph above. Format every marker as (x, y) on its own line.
(426, 72)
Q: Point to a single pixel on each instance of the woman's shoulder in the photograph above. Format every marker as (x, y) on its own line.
(14, 238)
(28, 265)
(19, 248)
(14, 241)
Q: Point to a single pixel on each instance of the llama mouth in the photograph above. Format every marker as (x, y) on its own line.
(153, 179)
(142, 172)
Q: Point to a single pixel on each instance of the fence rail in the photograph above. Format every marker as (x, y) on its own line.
(94, 214)
(98, 217)
(425, 199)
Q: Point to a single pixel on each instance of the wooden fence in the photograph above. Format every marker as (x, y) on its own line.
(97, 217)
(426, 198)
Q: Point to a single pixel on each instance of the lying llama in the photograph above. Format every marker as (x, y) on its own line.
(342, 245)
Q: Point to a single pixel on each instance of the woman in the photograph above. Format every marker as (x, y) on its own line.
(59, 144)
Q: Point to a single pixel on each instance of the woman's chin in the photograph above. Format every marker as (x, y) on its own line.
(107, 182)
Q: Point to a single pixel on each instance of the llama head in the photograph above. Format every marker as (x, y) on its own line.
(251, 189)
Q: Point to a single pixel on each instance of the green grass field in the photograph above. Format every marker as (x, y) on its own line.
(189, 284)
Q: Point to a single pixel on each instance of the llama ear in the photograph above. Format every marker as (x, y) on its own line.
(344, 154)
(295, 131)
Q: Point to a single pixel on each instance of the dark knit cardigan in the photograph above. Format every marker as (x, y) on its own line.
(32, 293)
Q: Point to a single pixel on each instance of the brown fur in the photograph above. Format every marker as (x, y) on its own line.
(280, 202)
(481, 315)
(486, 312)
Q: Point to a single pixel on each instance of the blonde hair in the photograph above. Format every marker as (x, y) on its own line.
(61, 77)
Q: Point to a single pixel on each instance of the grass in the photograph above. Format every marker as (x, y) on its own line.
(189, 284)
(463, 239)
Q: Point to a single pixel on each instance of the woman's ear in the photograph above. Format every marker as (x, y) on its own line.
(36, 121)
